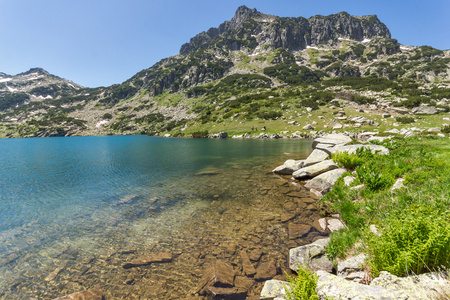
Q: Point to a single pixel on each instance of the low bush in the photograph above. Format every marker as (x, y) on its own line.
(445, 129)
(372, 178)
(351, 161)
(200, 134)
(303, 286)
(405, 120)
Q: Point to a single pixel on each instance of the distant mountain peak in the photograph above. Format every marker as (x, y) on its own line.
(40, 71)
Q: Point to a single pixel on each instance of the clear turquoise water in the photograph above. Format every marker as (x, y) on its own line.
(94, 193)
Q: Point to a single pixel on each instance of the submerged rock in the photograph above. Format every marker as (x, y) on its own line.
(92, 294)
(149, 259)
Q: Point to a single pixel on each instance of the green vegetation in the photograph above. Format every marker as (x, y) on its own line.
(405, 120)
(8, 100)
(414, 222)
(302, 287)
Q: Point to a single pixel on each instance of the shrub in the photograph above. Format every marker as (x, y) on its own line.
(303, 287)
(200, 134)
(405, 120)
(416, 240)
(107, 116)
(346, 160)
(373, 179)
(445, 129)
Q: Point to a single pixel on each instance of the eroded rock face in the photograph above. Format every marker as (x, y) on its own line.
(312, 256)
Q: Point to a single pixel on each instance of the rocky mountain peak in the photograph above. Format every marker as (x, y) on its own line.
(38, 71)
(244, 13)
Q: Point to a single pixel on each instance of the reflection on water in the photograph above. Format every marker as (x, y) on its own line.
(74, 211)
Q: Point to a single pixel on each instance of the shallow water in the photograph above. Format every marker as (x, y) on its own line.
(74, 211)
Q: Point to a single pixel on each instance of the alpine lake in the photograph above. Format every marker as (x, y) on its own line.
(77, 213)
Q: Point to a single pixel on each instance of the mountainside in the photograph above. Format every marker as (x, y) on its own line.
(253, 70)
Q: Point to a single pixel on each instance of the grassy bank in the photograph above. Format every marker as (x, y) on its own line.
(413, 222)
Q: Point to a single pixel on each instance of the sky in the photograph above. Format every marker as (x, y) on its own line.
(104, 42)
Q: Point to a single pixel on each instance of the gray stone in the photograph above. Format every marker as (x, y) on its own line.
(360, 120)
(308, 127)
(394, 131)
(335, 225)
(273, 289)
(351, 266)
(325, 181)
(351, 149)
(314, 170)
(374, 230)
(316, 193)
(434, 129)
(323, 223)
(315, 157)
(425, 110)
(357, 187)
(348, 180)
(386, 115)
(424, 286)
(333, 139)
(289, 167)
(337, 126)
(312, 256)
(398, 184)
(334, 287)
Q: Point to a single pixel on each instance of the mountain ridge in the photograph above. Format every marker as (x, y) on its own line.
(233, 72)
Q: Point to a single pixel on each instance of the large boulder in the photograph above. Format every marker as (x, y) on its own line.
(351, 149)
(314, 170)
(334, 287)
(424, 286)
(325, 182)
(315, 157)
(332, 139)
(425, 110)
(312, 256)
(289, 167)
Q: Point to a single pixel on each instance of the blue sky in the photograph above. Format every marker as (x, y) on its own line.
(102, 42)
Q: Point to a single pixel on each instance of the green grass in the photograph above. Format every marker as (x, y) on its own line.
(414, 222)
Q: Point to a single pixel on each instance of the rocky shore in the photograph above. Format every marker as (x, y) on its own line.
(348, 279)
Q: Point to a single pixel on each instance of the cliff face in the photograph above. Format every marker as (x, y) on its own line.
(253, 30)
